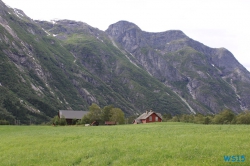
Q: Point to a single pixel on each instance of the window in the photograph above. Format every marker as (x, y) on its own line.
(150, 118)
(156, 118)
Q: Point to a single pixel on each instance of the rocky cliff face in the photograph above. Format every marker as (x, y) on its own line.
(47, 66)
(64, 64)
(208, 79)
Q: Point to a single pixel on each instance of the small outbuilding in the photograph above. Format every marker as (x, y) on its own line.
(110, 123)
(148, 117)
(71, 115)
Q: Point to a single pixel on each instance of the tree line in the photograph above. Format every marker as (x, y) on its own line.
(226, 116)
(108, 113)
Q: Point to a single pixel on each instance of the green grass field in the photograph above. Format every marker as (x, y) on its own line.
(144, 144)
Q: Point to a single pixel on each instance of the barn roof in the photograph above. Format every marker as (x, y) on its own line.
(70, 114)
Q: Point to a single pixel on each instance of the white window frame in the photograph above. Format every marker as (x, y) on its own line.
(150, 118)
(156, 118)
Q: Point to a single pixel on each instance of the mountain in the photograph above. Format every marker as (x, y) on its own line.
(49, 66)
(65, 64)
(207, 78)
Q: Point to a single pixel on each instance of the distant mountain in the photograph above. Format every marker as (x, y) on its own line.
(64, 64)
(208, 79)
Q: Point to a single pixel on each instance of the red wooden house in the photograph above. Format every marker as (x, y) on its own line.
(148, 117)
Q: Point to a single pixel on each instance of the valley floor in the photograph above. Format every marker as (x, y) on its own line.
(144, 144)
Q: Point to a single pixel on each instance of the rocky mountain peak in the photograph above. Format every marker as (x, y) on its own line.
(132, 37)
(120, 27)
(186, 66)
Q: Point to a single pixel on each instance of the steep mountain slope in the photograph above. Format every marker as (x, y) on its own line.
(69, 65)
(128, 86)
(33, 76)
(208, 79)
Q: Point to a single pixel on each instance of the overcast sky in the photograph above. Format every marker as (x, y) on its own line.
(215, 23)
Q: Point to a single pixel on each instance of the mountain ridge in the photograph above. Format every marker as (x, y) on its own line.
(218, 58)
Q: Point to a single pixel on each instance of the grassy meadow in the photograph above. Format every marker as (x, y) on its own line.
(144, 144)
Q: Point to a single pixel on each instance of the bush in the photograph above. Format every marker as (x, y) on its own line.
(4, 122)
(57, 121)
(207, 120)
(175, 119)
(243, 118)
(184, 118)
(78, 122)
(63, 122)
(199, 118)
(74, 121)
(166, 117)
(225, 117)
(85, 119)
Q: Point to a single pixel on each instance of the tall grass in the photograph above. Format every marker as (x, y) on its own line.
(148, 144)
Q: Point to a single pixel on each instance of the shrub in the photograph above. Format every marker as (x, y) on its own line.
(166, 117)
(175, 119)
(62, 121)
(85, 119)
(225, 117)
(4, 122)
(199, 118)
(184, 118)
(207, 120)
(243, 118)
(74, 121)
(78, 122)
(58, 121)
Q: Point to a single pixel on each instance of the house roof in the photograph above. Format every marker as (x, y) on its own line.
(145, 115)
(159, 115)
(70, 114)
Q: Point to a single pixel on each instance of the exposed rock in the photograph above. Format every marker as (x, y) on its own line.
(172, 57)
